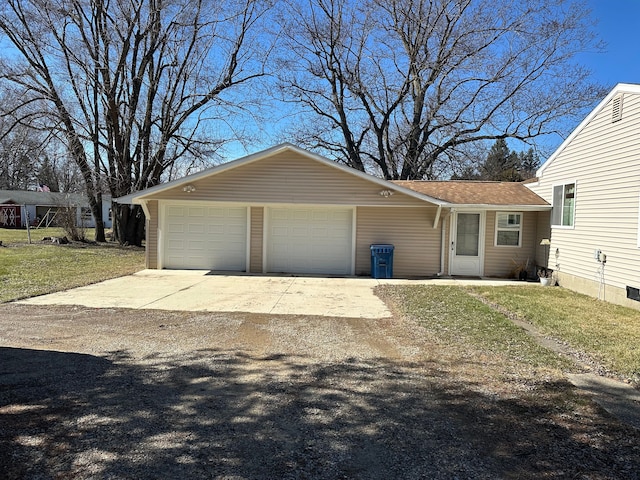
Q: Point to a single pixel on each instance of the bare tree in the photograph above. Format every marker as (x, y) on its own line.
(399, 86)
(130, 84)
(19, 152)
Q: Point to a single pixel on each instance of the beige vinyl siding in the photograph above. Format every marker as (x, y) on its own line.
(151, 251)
(604, 161)
(410, 230)
(289, 178)
(499, 261)
(256, 236)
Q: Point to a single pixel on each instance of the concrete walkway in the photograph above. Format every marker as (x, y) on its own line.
(619, 399)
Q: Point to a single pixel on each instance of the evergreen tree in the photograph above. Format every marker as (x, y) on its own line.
(501, 164)
(529, 163)
(467, 173)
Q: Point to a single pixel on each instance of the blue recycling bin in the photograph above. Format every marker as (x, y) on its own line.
(382, 261)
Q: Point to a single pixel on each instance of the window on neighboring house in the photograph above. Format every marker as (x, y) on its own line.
(86, 214)
(564, 205)
(508, 229)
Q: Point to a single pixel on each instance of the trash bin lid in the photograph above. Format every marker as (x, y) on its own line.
(382, 247)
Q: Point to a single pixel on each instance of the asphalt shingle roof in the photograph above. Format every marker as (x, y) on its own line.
(475, 192)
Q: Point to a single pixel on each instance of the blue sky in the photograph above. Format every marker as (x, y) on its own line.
(619, 27)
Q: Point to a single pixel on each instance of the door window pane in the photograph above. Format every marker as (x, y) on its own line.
(467, 234)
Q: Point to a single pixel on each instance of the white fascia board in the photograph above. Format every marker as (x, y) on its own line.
(619, 88)
(137, 197)
(505, 208)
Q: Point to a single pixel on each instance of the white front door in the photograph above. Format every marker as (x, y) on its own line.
(467, 243)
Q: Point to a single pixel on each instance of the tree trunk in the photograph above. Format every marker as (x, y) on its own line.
(97, 215)
(128, 224)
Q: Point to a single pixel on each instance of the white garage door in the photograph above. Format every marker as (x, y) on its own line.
(205, 237)
(309, 240)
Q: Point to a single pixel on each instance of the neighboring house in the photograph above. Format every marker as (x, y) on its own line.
(287, 210)
(593, 182)
(44, 208)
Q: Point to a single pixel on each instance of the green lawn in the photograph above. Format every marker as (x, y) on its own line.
(27, 270)
(457, 319)
(610, 333)
(20, 236)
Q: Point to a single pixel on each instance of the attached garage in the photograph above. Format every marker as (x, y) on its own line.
(205, 236)
(309, 240)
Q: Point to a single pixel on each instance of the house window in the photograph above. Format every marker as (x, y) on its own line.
(564, 205)
(508, 229)
(86, 214)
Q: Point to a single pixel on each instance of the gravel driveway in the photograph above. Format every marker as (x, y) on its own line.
(113, 393)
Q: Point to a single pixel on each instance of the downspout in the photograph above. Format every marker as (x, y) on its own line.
(442, 246)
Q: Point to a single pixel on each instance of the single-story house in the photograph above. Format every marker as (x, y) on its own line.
(593, 182)
(287, 210)
(44, 208)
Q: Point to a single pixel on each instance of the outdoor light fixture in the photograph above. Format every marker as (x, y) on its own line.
(386, 193)
(189, 188)
(546, 243)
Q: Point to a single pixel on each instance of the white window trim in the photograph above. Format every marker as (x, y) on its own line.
(638, 235)
(575, 204)
(495, 235)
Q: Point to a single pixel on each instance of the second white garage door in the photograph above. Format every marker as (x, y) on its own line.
(309, 240)
(205, 237)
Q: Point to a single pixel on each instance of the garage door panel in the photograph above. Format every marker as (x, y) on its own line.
(309, 240)
(239, 230)
(177, 211)
(203, 237)
(196, 245)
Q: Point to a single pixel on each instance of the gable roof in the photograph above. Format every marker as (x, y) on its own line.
(470, 193)
(619, 88)
(138, 197)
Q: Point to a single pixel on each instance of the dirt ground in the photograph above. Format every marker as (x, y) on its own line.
(113, 393)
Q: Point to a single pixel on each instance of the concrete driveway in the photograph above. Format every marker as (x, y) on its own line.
(198, 290)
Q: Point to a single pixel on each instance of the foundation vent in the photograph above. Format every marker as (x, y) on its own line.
(616, 109)
(633, 293)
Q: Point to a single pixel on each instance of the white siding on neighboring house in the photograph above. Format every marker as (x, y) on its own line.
(603, 159)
